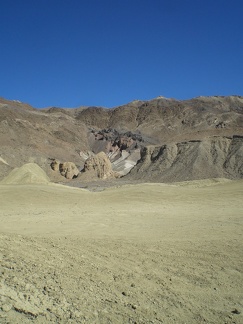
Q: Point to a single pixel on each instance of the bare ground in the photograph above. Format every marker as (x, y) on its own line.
(150, 253)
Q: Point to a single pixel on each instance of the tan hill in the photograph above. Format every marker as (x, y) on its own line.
(178, 129)
(26, 174)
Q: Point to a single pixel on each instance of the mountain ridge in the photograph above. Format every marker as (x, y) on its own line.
(35, 135)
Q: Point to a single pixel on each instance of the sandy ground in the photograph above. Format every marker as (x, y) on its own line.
(150, 253)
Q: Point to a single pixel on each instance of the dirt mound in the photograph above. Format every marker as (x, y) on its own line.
(28, 173)
(98, 167)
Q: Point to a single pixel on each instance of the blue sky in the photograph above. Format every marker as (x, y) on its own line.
(69, 53)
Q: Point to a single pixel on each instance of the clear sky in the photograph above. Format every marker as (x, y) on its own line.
(69, 53)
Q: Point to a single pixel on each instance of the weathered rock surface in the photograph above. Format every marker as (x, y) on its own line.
(122, 148)
(169, 120)
(66, 169)
(55, 165)
(209, 158)
(32, 135)
(98, 166)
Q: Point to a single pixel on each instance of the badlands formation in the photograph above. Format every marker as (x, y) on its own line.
(123, 215)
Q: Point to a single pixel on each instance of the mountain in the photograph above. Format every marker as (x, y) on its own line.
(157, 140)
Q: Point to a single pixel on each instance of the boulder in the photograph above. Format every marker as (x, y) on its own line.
(55, 165)
(68, 170)
(99, 166)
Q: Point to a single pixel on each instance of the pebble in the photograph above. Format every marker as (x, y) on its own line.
(77, 314)
(235, 311)
(6, 307)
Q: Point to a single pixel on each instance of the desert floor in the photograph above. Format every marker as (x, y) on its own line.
(146, 253)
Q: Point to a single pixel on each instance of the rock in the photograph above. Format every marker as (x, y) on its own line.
(170, 125)
(235, 311)
(85, 154)
(213, 157)
(99, 166)
(68, 170)
(55, 165)
(6, 307)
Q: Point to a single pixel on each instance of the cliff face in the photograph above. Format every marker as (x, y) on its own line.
(217, 157)
(175, 139)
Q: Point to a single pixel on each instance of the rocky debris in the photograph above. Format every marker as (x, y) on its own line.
(220, 125)
(122, 148)
(26, 297)
(113, 142)
(115, 280)
(99, 166)
(85, 154)
(67, 169)
(124, 164)
(113, 135)
(214, 157)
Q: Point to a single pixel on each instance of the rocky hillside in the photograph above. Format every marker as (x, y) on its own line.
(169, 120)
(157, 140)
(31, 135)
(213, 157)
